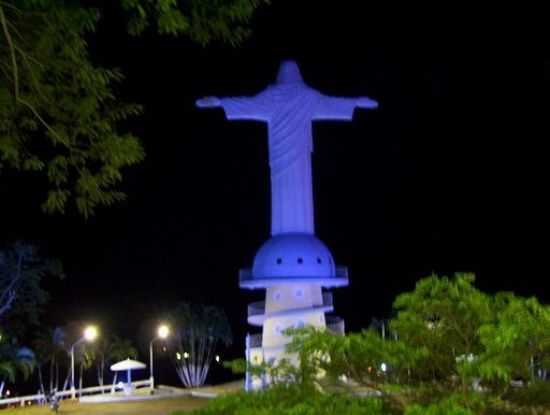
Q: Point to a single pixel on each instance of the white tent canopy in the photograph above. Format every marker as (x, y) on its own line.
(127, 364)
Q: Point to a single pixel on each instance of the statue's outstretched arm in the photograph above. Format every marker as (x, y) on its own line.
(251, 108)
(340, 108)
(208, 102)
(367, 103)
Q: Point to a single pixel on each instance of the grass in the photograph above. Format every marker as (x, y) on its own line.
(158, 407)
(154, 407)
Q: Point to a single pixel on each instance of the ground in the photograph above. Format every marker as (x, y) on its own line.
(156, 407)
(160, 407)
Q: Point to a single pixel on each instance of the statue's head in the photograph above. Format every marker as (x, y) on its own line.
(289, 72)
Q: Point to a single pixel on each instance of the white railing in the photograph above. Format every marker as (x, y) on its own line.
(23, 400)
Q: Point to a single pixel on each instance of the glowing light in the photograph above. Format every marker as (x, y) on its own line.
(186, 355)
(178, 355)
(383, 367)
(90, 333)
(218, 358)
(163, 331)
(8, 392)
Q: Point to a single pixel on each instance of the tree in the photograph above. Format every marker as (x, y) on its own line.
(50, 350)
(442, 315)
(515, 342)
(84, 359)
(13, 360)
(198, 330)
(21, 272)
(21, 299)
(109, 350)
(452, 342)
(59, 114)
(364, 358)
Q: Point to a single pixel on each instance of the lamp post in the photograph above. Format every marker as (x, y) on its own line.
(89, 335)
(163, 332)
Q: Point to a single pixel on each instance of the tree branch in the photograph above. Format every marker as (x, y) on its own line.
(9, 40)
(42, 121)
(9, 293)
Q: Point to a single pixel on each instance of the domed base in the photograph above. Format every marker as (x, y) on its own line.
(293, 258)
(247, 281)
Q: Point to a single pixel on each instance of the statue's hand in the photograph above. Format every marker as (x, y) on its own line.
(366, 102)
(208, 102)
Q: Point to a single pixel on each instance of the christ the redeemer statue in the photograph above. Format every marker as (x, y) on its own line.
(289, 107)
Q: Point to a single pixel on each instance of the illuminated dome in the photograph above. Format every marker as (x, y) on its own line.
(294, 257)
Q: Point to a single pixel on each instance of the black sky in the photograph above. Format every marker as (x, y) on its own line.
(422, 184)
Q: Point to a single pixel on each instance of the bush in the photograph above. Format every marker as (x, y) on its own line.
(290, 400)
(536, 394)
(454, 405)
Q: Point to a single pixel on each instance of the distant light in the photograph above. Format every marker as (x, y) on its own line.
(163, 348)
(186, 355)
(383, 367)
(163, 331)
(8, 392)
(90, 333)
(178, 355)
(218, 358)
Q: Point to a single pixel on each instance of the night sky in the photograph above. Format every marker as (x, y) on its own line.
(422, 184)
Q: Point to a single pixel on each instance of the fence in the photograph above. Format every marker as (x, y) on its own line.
(24, 400)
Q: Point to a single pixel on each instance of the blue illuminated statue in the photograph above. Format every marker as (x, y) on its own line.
(293, 266)
(289, 107)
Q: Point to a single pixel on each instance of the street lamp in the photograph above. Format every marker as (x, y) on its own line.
(89, 335)
(163, 331)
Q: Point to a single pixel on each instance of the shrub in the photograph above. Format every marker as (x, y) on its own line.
(537, 394)
(453, 405)
(290, 400)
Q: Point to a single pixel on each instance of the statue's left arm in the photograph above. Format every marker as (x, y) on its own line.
(340, 108)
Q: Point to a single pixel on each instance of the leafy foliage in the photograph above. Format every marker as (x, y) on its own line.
(514, 344)
(443, 316)
(290, 400)
(538, 393)
(50, 347)
(21, 293)
(204, 21)
(450, 406)
(59, 115)
(14, 359)
(357, 356)
(107, 350)
(236, 366)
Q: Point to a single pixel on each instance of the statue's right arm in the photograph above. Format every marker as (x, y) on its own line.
(208, 102)
(242, 107)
